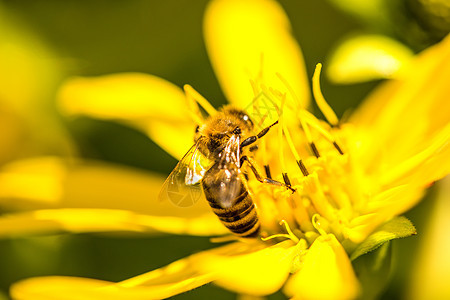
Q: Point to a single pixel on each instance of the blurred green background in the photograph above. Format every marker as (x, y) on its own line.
(164, 38)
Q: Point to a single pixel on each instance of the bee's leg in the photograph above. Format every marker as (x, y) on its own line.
(251, 139)
(262, 179)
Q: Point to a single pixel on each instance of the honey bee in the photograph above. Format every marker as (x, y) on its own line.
(215, 163)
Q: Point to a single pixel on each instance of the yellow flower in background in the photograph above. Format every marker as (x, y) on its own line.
(29, 74)
(353, 178)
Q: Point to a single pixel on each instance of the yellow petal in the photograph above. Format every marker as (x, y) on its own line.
(29, 74)
(29, 71)
(146, 102)
(178, 277)
(428, 165)
(259, 273)
(326, 273)
(159, 284)
(369, 11)
(431, 271)
(383, 207)
(78, 220)
(247, 39)
(49, 182)
(367, 57)
(405, 114)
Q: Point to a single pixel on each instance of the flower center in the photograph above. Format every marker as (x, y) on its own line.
(313, 158)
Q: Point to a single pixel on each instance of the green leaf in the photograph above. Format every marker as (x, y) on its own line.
(396, 228)
(374, 271)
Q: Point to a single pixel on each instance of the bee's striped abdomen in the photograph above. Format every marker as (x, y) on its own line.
(241, 218)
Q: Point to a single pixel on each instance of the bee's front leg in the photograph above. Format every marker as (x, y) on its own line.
(260, 178)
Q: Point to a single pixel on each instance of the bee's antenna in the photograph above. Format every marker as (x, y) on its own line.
(250, 140)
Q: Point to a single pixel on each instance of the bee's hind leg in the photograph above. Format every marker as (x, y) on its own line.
(262, 179)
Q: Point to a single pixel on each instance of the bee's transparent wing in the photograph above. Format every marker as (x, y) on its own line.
(183, 186)
(228, 175)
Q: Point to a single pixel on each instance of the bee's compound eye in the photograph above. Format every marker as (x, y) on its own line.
(247, 119)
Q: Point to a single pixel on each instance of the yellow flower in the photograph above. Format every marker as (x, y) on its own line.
(353, 178)
(29, 74)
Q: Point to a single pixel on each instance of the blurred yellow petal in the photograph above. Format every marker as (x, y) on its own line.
(427, 165)
(264, 273)
(69, 288)
(29, 74)
(326, 273)
(49, 182)
(376, 11)
(29, 70)
(431, 273)
(78, 220)
(178, 277)
(367, 57)
(415, 104)
(159, 284)
(250, 39)
(146, 102)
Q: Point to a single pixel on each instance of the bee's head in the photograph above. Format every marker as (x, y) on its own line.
(214, 134)
(244, 120)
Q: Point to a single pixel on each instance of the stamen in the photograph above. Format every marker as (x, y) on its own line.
(290, 235)
(194, 111)
(191, 92)
(274, 236)
(316, 224)
(302, 167)
(313, 122)
(254, 87)
(289, 88)
(294, 151)
(196, 118)
(302, 121)
(307, 132)
(267, 169)
(280, 137)
(289, 231)
(320, 100)
(286, 179)
(314, 150)
(338, 148)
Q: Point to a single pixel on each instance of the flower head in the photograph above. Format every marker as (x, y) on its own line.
(352, 178)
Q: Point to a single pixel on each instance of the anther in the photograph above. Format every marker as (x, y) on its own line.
(338, 148)
(267, 169)
(286, 179)
(314, 150)
(302, 167)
